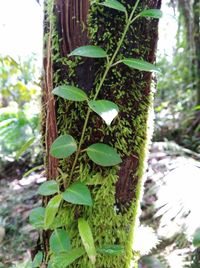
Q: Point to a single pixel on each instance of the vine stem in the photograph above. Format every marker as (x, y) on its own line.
(109, 65)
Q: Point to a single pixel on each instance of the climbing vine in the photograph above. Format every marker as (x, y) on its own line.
(68, 189)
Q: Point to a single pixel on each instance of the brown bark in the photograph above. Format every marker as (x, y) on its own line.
(49, 110)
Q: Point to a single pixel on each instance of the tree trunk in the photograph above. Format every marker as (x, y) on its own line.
(115, 190)
(196, 12)
(186, 17)
(191, 15)
(185, 8)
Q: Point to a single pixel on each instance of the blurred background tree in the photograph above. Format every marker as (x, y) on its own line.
(19, 111)
(177, 102)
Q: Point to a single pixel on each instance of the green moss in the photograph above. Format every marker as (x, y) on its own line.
(128, 133)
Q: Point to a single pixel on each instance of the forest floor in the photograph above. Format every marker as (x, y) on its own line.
(17, 236)
(168, 228)
(170, 207)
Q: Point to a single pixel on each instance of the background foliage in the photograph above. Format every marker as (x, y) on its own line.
(176, 104)
(19, 109)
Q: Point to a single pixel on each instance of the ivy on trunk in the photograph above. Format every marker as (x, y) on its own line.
(115, 190)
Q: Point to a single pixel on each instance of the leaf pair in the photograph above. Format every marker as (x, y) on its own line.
(78, 193)
(104, 108)
(88, 51)
(114, 4)
(99, 153)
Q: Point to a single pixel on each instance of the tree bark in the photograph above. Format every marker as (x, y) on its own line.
(116, 191)
(196, 12)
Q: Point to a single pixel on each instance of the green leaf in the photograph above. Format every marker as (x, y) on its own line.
(51, 210)
(59, 241)
(78, 193)
(62, 260)
(196, 238)
(87, 239)
(24, 147)
(26, 174)
(36, 217)
(70, 93)
(37, 259)
(63, 146)
(152, 13)
(89, 51)
(196, 108)
(111, 250)
(114, 4)
(141, 65)
(59, 220)
(50, 265)
(48, 188)
(108, 110)
(103, 155)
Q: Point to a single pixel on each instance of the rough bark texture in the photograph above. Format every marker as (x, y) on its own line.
(116, 190)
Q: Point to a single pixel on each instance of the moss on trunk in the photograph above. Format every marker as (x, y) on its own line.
(115, 190)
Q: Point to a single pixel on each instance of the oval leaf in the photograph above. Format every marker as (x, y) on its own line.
(141, 65)
(89, 51)
(111, 250)
(87, 239)
(36, 217)
(70, 93)
(103, 155)
(37, 259)
(114, 4)
(51, 210)
(78, 193)
(108, 110)
(152, 13)
(48, 188)
(59, 241)
(196, 238)
(64, 259)
(63, 146)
